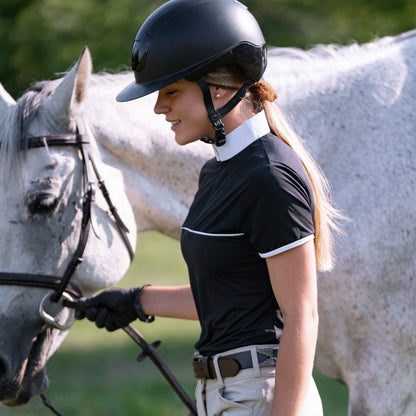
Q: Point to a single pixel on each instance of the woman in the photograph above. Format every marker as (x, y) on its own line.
(260, 223)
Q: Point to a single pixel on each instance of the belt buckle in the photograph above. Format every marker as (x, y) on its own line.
(200, 366)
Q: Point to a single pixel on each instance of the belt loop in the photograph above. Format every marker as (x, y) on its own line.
(200, 396)
(217, 369)
(254, 359)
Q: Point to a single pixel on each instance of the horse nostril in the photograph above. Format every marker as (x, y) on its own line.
(9, 385)
(4, 368)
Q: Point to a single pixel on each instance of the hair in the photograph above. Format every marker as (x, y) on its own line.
(261, 96)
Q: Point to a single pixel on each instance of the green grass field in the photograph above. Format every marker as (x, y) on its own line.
(95, 372)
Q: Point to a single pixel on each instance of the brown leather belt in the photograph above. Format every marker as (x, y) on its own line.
(230, 365)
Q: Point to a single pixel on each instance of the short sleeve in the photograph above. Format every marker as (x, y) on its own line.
(280, 210)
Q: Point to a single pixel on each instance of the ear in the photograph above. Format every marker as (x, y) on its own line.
(220, 96)
(72, 90)
(6, 100)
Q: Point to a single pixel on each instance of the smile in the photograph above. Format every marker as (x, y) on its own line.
(174, 123)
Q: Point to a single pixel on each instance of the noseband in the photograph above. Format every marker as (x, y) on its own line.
(63, 287)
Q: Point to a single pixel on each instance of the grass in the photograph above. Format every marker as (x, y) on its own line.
(95, 372)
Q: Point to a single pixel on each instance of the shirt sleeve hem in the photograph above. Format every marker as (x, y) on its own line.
(287, 247)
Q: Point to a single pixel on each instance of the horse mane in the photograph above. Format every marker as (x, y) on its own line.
(323, 58)
(337, 51)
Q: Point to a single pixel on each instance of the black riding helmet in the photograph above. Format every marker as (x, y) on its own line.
(188, 39)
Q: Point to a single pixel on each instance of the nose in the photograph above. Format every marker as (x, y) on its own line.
(161, 106)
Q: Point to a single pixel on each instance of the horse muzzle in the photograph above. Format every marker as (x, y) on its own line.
(20, 380)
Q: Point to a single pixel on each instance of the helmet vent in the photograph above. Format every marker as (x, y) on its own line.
(139, 52)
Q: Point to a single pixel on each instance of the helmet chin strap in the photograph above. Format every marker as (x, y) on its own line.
(214, 115)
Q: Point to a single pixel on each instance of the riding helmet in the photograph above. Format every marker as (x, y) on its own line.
(189, 38)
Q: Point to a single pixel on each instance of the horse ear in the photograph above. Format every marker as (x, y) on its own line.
(71, 91)
(5, 99)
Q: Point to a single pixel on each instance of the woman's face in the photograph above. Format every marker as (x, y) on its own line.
(183, 106)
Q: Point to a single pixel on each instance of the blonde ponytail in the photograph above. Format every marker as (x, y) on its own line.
(326, 217)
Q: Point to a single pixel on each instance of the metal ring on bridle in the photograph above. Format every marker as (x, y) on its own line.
(52, 321)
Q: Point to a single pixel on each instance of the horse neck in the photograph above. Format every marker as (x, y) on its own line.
(160, 176)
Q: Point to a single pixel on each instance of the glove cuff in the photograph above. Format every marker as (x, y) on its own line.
(138, 306)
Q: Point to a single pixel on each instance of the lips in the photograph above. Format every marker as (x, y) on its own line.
(173, 123)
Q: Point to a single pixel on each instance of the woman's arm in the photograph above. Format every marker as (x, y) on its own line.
(294, 282)
(169, 301)
(115, 308)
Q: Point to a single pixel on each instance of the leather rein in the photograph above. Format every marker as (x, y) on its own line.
(64, 287)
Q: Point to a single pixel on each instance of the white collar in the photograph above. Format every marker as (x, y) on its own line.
(241, 137)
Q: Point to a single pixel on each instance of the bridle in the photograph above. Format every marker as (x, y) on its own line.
(63, 287)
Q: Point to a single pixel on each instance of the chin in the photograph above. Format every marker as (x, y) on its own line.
(184, 141)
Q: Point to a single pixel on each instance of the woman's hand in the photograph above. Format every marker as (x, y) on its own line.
(116, 308)
(112, 309)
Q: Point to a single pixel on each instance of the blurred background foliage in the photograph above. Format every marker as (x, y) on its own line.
(39, 38)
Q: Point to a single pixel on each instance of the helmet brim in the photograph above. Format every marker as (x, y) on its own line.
(134, 91)
(137, 90)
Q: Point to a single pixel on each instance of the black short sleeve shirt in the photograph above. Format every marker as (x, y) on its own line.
(253, 205)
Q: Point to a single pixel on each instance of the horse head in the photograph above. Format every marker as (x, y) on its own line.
(49, 163)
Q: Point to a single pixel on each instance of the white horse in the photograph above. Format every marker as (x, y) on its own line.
(42, 208)
(355, 107)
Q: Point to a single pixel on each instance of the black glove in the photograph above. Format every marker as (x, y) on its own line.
(112, 309)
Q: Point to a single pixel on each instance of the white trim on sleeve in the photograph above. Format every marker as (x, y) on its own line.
(287, 247)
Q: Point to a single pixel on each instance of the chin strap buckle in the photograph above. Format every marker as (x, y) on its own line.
(219, 138)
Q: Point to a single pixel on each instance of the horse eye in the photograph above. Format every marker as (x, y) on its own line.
(42, 203)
